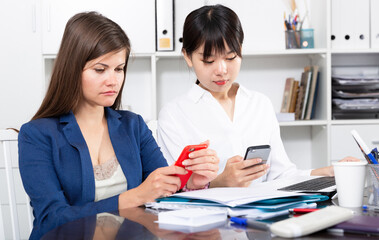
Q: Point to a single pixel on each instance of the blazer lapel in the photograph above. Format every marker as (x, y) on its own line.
(126, 152)
(74, 136)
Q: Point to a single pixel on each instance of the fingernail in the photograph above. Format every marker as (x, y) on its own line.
(259, 160)
(185, 162)
(190, 155)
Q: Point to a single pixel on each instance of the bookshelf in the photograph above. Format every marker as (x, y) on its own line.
(154, 78)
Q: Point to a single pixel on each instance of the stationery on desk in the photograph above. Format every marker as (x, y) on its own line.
(192, 217)
(371, 156)
(261, 202)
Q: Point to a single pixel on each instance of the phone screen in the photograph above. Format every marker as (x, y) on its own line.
(261, 151)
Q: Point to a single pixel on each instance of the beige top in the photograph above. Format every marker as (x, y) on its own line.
(109, 179)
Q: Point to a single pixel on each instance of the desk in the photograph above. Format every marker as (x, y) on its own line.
(138, 223)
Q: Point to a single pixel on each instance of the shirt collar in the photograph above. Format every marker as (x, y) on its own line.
(196, 93)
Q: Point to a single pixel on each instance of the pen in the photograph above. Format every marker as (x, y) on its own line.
(302, 210)
(369, 207)
(250, 223)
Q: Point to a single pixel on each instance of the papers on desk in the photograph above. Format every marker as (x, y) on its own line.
(260, 202)
(233, 197)
(192, 217)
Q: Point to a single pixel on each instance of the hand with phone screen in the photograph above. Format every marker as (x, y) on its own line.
(240, 172)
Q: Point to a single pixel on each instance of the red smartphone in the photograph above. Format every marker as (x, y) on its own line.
(183, 156)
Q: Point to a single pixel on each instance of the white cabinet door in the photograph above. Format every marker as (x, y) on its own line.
(137, 18)
(20, 62)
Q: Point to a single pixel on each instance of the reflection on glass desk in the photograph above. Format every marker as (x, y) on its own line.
(139, 223)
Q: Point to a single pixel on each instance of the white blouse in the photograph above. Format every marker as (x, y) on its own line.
(197, 116)
(109, 179)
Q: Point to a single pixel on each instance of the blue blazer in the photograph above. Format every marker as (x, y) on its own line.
(56, 168)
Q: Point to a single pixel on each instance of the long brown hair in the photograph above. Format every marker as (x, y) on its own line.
(87, 36)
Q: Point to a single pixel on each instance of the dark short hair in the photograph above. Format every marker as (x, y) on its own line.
(212, 26)
(87, 36)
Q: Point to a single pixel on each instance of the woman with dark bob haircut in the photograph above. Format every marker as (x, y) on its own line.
(221, 110)
(80, 155)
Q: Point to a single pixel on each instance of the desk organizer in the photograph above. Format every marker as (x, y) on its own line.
(373, 178)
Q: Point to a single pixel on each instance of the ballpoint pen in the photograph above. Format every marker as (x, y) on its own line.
(250, 223)
(370, 207)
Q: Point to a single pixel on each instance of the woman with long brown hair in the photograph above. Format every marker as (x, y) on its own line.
(80, 155)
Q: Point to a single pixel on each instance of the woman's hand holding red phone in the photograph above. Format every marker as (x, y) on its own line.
(202, 162)
(160, 183)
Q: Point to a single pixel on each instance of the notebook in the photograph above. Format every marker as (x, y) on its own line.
(320, 185)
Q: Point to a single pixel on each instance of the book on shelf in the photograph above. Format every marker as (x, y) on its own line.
(295, 90)
(312, 93)
(306, 78)
(287, 94)
(306, 95)
(285, 117)
(299, 102)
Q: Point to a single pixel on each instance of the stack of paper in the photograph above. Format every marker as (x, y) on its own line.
(192, 217)
(260, 202)
(233, 197)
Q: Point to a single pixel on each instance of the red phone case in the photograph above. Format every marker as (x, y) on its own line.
(183, 156)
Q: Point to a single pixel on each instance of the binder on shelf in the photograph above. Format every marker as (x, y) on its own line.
(336, 30)
(350, 24)
(361, 20)
(182, 9)
(164, 25)
(374, 23)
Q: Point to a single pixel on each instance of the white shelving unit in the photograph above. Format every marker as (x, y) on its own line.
(154, 78)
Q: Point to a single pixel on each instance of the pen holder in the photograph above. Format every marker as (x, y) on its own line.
(307, 38)
(373, 183)
(292, 39)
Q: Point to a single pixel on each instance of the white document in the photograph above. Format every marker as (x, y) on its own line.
(231, 196)
(374, 31)
(165, 25)
(194, 217)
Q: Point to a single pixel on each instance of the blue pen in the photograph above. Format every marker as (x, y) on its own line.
(369, 207)
(251, 223)
(372, 158)
(375, 154)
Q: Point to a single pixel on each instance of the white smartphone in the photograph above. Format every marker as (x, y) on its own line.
(261, 151)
